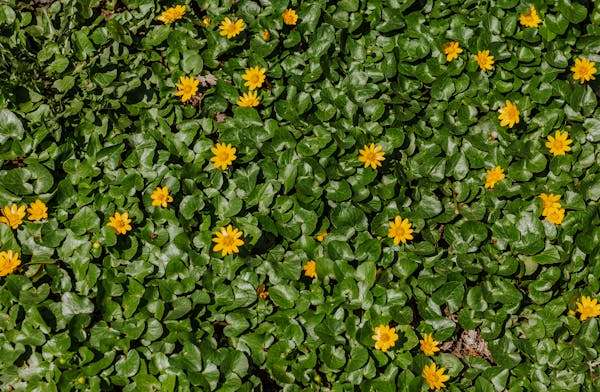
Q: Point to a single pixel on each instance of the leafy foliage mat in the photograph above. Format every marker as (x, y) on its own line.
(111, 107)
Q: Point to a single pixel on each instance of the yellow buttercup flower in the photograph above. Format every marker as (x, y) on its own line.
(583, 70)
(429, 345)
(371, 155)
(530, 18)
(206, 21)
(172, 14)
(290, 17)
(227, 240)
(385, 337)
(588, 308)
(509, 115)
(231, 28)
(549, 201)
(9, 262)
(492, 176)
(13, 215)
(310, 269)
(434, 377)
(187, 88)
(161, 197)
(248, 100)
(559, 143)
(400, 230)
(266, 35)
(321, 236)
(485, 60)
(37, 210)
(452, 50)
(254, 77)
(224, 155)
(555, 214)
(120, 222)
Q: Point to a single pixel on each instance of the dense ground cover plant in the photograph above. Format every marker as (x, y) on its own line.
(373, 195)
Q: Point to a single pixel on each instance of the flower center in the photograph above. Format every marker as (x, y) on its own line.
(228, 240)
(385, 337)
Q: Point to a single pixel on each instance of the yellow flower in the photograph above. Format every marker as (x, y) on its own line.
(266, 35)
(549, 201)
(434, 377)
(485, 60)
(509, 115)
(555, 214)
(120, 222)
(310, 269)
(530, 18)
(224, 155)
(559, 143)
(37, 210)
(187, 88)
(290, 17)
(172, 14)
(227, 240)
(588, 308)
(385, 337)
(400, 230)
(583, 70)
(248, 100)
(9, 261)
(206, 21)
(452, 50)
(13, 215)
(429, 345)
(231, 28)
(254, 77)
(161, 197)
(371, 155)
(492, 176)
(321, 236)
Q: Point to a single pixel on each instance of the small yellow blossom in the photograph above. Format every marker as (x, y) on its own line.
(161, 197)
(549, 201)
(485, 60)
(248, 100)
(588, 308)
(555, 215)
(172, 14)
(492, 176)
(583, 70)
(452, 50)
(429, 345)
(13, 215)
(187, 88)
(266, 35)
(37, 210)
(206, 21)
(509, 114)
(385, 337)
(400, 230)
(310, 269)
(231, 28)
(321, 236)
(227, 240)
(559, 143)
(290, 17)
(371, 155)
(530, 18)
(9, 262)
(224, 155)
(434, 377)
(120, 222)
(254, 77)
